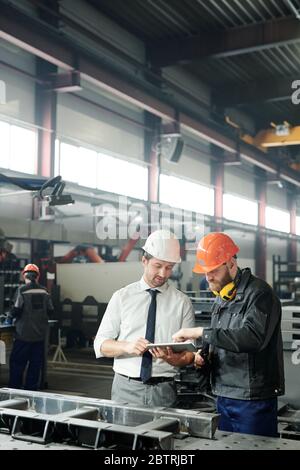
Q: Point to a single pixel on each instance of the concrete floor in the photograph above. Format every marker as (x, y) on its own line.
(82, 375)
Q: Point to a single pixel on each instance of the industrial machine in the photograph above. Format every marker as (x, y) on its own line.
(286, 279)
(51, 421)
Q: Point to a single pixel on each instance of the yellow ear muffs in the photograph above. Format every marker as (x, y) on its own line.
(228, 292)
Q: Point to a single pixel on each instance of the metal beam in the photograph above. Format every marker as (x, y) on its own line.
(271, 138)
(254, 92)
(35, 37)
(228, 43)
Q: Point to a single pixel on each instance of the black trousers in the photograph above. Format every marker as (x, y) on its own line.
(23, 353)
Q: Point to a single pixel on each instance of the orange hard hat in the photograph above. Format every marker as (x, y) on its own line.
(31, 268)
(213, 250)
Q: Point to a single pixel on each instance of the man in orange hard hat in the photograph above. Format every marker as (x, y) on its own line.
(244, 340)
(31, 311)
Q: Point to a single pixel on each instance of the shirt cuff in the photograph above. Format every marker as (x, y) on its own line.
(97, 346)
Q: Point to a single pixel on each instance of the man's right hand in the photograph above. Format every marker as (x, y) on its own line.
(136, 348)
(187, 333)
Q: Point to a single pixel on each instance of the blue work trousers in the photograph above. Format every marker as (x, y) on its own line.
(23, 353)
(248, 416)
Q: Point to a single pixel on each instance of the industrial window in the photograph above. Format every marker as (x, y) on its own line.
(277, 219)
(240, 209)
(23, 150)
(96, 170)
(76, 164)
(57, 158)
(184, 194)
(119, 176)
(88, 162)
(297, 225)
(69, 165)
(4, 138)
(18, 148)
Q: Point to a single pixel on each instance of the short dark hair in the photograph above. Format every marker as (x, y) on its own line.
(147, 255)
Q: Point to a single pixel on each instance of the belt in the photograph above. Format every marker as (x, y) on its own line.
(151, 381)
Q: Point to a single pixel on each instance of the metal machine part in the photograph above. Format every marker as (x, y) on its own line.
(290, 323)
(44, 418)
(289, 423)
(51, 422)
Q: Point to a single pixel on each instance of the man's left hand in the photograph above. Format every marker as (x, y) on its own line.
(174, 359)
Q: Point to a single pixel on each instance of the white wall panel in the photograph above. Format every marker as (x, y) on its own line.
(191, 165)
(239, 182)
(276, 197)
(20, 90)
(83, 122)
(14, 202)
(77, 281)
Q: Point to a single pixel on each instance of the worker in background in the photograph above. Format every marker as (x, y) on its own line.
(244, 340)
(31, 311)
(149, 310)
(203, 285)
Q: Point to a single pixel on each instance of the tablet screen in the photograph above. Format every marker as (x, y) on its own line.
(176, 347)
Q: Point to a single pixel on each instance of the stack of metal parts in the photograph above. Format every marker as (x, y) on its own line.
(290, 324)
(37, 420)
(44, 419)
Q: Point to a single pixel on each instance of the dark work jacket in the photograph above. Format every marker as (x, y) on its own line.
(31, 310)
(245, 342)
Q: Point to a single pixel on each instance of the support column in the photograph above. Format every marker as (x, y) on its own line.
(45, 99)
(292, 243)
(260, 239)
(152, 154)
(46, 120)
(217, 180)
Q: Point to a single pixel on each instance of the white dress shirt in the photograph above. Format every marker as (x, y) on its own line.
(125, 319)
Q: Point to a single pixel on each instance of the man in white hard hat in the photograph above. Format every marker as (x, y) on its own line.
(150, 310)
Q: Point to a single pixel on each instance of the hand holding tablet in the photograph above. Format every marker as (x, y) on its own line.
(176, 347)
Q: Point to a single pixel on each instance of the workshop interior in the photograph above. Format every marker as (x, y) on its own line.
(118, 119)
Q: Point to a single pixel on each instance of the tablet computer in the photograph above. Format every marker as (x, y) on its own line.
(176, 347)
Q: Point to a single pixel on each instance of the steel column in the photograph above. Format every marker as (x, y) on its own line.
(217, 180)
(45, 101)
(260, 239)
(292, 243)
(152, 154)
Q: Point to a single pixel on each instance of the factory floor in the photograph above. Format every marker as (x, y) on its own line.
(81, 375)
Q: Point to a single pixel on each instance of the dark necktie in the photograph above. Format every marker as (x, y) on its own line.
(146, 367)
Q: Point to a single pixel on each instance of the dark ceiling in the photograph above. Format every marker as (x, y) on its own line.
(246, 51)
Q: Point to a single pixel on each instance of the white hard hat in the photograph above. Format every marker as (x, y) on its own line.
(163, 245)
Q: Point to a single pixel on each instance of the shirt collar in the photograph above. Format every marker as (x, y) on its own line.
(145, 286)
